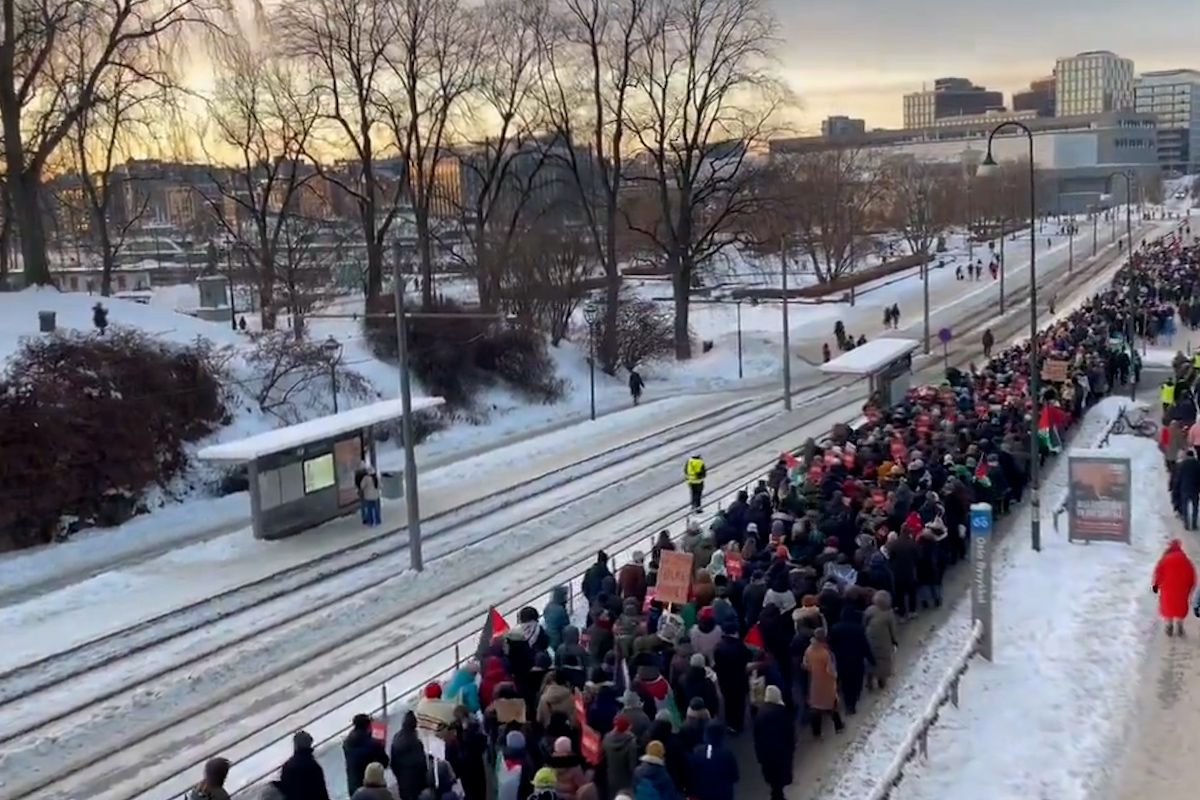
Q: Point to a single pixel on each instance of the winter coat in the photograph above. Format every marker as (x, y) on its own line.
(631, 580)
(714, 770)
(593, 580)
(695, 683)
(775, 743)
(271, 791)
(651, 781)
(570, 659)
(603, 708)
(730, 660)
(848, 641)
(202, 792)
(883, 637)
(368, 486)
(619, 757)
(1188, 476)
(555, 698)
(555, 617)
(373, 793)
(1174, 580)
(822, 676)
(409, 764)
(302, 778)
(359, 749)
(752, 601)
(569, 774)
(461, 690)
(705, 636)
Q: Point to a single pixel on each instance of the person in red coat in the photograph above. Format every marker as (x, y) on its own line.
(1174, 580)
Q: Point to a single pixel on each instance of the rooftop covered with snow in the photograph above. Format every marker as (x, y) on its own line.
(314, 430)
(870, 357)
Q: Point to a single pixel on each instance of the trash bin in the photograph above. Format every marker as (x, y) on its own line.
(391, 485)
(46, 321)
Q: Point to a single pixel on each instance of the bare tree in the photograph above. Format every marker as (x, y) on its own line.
(924, 200)
(500, 173)
(432, 57)
(547, 280)
(56, 58)
(289, 377)
(304, 266)
(261, 113)
(830, 198)
(588, 58)
(705, 100)
(344, 45)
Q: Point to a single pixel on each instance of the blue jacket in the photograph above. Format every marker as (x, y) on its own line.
(555, 616)
(462, 689)
(713, 768)
(651, 781)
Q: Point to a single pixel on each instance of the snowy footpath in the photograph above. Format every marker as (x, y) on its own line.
(1071, 623)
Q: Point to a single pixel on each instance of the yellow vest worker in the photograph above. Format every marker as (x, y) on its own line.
(1196, 359)
(1166, 394)
(694, 472)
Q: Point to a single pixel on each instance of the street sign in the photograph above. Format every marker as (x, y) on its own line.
(945, 335)
(981, 573)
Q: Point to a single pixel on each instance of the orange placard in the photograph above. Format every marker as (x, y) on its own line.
(674, 577)
(379, 730)
(734, 566)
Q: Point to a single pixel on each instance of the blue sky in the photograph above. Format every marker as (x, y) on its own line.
(857, 57)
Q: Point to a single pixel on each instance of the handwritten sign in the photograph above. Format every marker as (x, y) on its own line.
(674, 577)
(1054, 370)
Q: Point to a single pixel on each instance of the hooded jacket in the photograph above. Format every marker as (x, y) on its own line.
(555, 617)
(714, 770)
(571, 661)
(619, 754)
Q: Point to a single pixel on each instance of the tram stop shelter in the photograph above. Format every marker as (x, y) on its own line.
(886, 363)
(304, 475)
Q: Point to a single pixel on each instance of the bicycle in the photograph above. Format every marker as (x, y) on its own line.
(1136, 426)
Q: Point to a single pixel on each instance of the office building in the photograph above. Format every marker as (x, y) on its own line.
(839, 127)
(1074, 156)
(1093, 82)
(1039, 97)
(1174, 97)
(950, 97)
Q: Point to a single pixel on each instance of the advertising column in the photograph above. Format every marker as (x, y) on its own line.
(981, 573)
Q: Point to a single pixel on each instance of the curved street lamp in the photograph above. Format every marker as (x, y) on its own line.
(333, 349)
(1132, 289)
(591, 314)
(988, 167)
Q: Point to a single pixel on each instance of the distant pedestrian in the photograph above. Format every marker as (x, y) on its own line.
(301, 777)
(408, 760)
(694, 473)
(822, 683)
(359, 749)
(989, 341)
(212, 787)
(895, 317)
(775, 742)
(368, 493)
(825, 355)
(636, 384)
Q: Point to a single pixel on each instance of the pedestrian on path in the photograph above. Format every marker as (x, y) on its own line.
(1174, 581)
(636, 384)
(694, 472)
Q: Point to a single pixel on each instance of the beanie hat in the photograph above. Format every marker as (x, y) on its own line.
(562, 746)
(774, 696)
(697, 660)
(433, 691)
(374, 775)
(527, 614)
(515, 740)
(656, 750)
(545, 778)
(621, 723)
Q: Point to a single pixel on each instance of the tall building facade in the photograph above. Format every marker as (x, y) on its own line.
(1093, 82)
(1039, 97)
(1173, 96)
(950, 97)
(839, 127)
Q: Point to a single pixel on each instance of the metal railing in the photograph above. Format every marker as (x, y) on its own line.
(916, 741)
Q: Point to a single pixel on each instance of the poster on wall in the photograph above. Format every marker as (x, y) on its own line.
(1098, 499)
(348, 456)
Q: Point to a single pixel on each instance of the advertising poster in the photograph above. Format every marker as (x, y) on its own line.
(1098, 501)
(348, 455)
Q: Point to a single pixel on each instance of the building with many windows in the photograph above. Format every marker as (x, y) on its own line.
(1039, 97)
(950, 97)
(1173, 96)
(838, 126)
(1093, 82)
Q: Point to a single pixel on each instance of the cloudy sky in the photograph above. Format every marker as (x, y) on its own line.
(857, 57)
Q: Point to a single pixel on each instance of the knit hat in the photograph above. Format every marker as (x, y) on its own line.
(621, 723)
(433, 691)
(631, 700)
(656, 751)
(515, 740)
(562, 746)
(638, 556)
(774, 696)
(374, 775)
(545, 778)
(751, 528)
(697, 660)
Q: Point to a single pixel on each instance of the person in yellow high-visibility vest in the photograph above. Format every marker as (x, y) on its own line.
(694, 473)
(1166, 395)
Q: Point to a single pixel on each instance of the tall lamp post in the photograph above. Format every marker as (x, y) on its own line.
(591, 314)
(787, 344)
(923, 221)
(411, 503)
(989, 163)
(333, 349)
(1132, 288)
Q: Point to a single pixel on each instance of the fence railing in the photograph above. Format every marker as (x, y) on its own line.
(916, 741)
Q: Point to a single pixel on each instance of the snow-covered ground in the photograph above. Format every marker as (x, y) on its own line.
(1043, 720)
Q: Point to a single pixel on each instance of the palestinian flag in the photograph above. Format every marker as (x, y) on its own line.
(493, 627)
(1049, 424)
(754, 637)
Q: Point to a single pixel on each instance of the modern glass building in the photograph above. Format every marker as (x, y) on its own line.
(1093, 82)
(1173, 96)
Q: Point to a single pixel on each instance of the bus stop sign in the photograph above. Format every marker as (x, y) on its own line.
(944, 335)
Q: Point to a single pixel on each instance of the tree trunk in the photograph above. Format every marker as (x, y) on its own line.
(374, 249)
(681, 279)
(27, 203)
(266, 290)
(425, 250)
(608, 355)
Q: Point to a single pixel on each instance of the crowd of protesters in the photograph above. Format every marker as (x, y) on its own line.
(798, 591)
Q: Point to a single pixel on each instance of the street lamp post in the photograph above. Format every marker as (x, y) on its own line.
(333, 348)
(591, 313)
(1132, 300)
(1035, 533)
(411, 502)
(787, 349)
(738, 302)
(923, 201)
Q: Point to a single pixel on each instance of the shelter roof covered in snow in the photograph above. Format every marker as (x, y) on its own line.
(282, 439)
(870, 357)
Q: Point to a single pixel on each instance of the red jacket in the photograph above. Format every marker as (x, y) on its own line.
(1175, 578)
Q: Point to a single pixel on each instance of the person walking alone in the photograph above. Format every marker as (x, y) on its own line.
(988, 341)
(636, 384)
(694, 473)
(368, 492)
(1187, 484)
(1174, 580)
